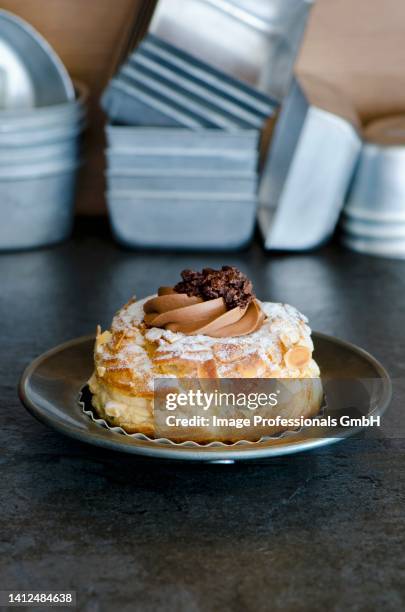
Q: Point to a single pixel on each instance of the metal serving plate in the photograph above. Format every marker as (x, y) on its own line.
(174, 140)
(252, 40)
(312, 157)
(201, 73)
(168, 220)
(50, 388)
(31, 73)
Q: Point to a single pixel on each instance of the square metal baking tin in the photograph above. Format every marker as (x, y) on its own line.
(242, 106)
(201, 73)
(211, 161)
(192, 101)
(156, 139)
(253, 40)
(182, 222)
(141, 96)
(210, 184)
(312, 157)
(132, 103)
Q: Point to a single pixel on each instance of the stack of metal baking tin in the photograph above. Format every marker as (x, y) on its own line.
(182, 151)
(42, 115)
(373, 220)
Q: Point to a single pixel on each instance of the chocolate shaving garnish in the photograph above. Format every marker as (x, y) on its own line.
(229, 283)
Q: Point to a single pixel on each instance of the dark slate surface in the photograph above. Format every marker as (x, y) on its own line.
(316, 531)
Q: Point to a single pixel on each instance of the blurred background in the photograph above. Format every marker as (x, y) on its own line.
(356, 48)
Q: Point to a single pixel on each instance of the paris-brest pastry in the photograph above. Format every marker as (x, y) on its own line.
(208, 326)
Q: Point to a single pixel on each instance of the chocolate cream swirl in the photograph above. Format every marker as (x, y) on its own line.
(192, 315)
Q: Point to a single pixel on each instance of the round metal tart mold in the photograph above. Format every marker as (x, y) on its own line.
(45, 117)
(388, 247)
(34, 76)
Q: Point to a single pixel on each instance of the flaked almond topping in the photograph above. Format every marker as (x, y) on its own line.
(119, 341)
(297, 357)
(290, 337)
(104, 338)
(101, 371)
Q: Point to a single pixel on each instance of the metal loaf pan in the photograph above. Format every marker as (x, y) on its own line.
(220, 32)
(172, 141)
(201, 74)
(160, 162)
(312, 157)
(201, 185)
(182, 223)
(183, 98)
(131, 103)
(180, 80)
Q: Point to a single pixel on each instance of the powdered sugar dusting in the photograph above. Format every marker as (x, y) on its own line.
(280, 318)
(131, 315)
(283, 328)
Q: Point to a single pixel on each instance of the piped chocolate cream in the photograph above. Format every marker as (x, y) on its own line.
(217, 303)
